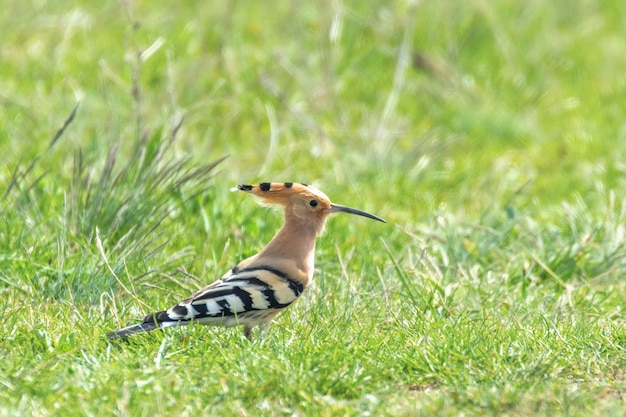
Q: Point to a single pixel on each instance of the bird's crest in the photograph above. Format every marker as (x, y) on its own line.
(281, 192)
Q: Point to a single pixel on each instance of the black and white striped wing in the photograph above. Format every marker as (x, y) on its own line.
(241, 294)
(249, 296)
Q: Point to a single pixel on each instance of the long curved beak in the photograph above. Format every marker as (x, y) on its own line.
(336, 208)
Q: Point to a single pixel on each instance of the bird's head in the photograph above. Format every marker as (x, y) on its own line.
(301, 201)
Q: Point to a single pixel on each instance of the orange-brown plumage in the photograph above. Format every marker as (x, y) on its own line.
(259, 287)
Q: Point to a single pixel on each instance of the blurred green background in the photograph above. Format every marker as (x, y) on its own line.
(490, 135)
(444, 99)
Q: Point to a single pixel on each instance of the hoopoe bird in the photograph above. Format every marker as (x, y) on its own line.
(257, 289)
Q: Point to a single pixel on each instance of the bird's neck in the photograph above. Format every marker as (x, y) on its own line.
(295, 242)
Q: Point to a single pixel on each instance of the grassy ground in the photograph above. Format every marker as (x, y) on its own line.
(490, 135)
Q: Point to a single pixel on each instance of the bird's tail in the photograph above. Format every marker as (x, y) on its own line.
(149, 323)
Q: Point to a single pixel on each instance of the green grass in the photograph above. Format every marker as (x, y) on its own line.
(490, 135)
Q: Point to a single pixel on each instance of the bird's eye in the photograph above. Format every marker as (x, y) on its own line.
(313, 203)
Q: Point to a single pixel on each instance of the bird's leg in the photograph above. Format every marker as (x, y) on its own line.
(266, 329)
(247, 331)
